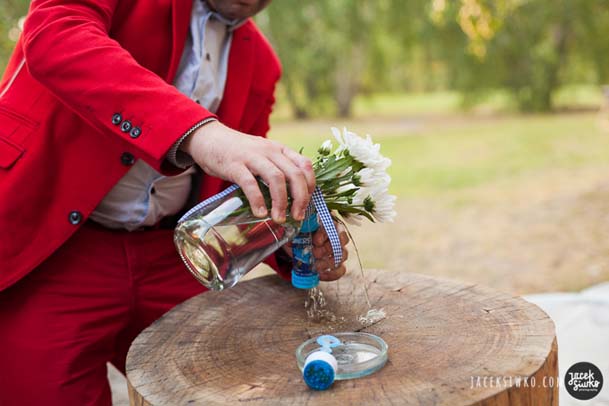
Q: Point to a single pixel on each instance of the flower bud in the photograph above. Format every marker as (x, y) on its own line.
(326, 148)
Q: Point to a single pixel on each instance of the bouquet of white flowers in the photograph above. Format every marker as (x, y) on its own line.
(353, 178)
(220, 239)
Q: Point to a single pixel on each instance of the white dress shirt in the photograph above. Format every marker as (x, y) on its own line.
(143, 196)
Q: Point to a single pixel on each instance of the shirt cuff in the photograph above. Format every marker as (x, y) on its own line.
(180, 158)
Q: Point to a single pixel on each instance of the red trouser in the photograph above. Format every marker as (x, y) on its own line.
(82, 308)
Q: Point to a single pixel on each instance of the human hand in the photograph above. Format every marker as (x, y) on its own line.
(238, 157)
(324, 259)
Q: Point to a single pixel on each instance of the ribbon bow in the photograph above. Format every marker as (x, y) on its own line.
(317, 203)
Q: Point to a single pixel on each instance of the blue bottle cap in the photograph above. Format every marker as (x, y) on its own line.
(328, 341)
(305, 281)
(320, 370)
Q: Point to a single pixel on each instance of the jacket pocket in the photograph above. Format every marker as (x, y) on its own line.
(14, 131)
(9, 153)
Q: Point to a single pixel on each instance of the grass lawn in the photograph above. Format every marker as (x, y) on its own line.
(456, 153)
(520, 203)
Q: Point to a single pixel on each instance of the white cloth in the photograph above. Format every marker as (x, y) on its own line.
(143, 196)
(582, 331)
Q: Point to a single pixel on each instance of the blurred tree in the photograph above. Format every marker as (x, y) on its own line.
(590, 36)
(10, 13)
(333, 49)
(525, 46)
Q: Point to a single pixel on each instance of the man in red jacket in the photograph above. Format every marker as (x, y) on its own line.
(104, 107)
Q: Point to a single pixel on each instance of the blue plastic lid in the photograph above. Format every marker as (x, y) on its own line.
(305, 281)
(328, 341)
(318, 375)
(309, 224)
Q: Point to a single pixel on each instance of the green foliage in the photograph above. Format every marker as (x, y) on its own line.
(10, 12)
(533, 48)
(334, 50)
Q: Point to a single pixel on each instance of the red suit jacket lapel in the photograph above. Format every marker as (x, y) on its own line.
(180, 20)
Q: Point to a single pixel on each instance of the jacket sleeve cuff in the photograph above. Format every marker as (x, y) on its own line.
(180, 158)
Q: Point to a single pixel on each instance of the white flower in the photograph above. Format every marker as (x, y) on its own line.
(364, 191)
(345, 187)
(378, 202)
(361, 149)
(369, 177)
(345, 172)
(325, 148)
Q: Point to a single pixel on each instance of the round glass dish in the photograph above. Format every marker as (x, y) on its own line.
(358, 354)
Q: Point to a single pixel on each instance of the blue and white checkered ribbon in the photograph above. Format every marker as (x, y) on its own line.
(317, 204)
(199, 207)
(326, 221)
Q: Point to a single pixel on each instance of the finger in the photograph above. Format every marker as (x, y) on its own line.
(325, 253)
(323, 264)
(320, 252)
(298, 184)
(326, 248)
(344, 238)
(342, 233)
(276, 181)
(333, 274)
(320, 237)
(244, 178)
(330, 254)
(345, 255)
(304, 164)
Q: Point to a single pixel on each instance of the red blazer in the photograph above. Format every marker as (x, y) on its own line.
(77, 64)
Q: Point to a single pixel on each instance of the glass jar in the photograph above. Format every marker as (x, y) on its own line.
(222, 241)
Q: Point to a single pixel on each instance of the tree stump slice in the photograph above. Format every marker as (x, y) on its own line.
(238, 346)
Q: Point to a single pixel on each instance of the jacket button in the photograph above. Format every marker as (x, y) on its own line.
(135, 132)
(126, 126)
(127, 159)
(75, 217)
(117, 118)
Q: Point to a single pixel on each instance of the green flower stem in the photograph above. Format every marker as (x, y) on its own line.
(335, 166)
(346, 193)
(331, 176)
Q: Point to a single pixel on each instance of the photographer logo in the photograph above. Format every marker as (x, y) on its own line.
(584, 381)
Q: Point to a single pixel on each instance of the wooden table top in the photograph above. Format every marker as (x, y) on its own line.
(238, 346)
